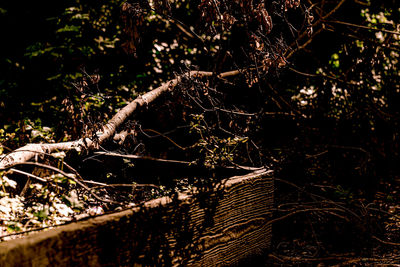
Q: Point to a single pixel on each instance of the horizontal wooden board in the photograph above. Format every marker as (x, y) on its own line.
(207, 227)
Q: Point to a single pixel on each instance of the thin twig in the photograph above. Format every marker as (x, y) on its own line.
(320, 197)
(328, 258)
(385, 242)
(325, 210)
(29, 175)
(361, 26)
(68, 176)
(163, 135)
(121, 185)
(129, 156)
(305, 33)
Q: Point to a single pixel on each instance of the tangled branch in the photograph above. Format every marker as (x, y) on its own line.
(29, 151)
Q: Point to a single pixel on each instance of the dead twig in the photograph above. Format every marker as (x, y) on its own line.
(80, 183)
(325, 210)
(361, 26)
(347, 259)
(29, 175)
(121, 185)
(305, 33)
(129, 156)
(385, 242)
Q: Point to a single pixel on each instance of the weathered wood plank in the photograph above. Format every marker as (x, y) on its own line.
(207, 228)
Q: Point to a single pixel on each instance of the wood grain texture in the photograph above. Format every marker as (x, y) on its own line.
(209, 227)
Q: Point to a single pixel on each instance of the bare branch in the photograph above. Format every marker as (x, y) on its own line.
(26, 153)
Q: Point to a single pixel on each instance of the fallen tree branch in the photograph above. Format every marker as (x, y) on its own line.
(29, 151)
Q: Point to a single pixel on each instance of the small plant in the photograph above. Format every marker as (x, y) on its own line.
(215, 151)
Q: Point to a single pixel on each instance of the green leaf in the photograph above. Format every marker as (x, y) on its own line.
(41, 215)
(69, 28)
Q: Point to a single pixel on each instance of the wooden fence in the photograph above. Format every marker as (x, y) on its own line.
(215, 227)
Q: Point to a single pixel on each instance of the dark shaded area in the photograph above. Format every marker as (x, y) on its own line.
(324, 117)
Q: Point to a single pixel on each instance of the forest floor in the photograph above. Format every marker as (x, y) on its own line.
(313, 241)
